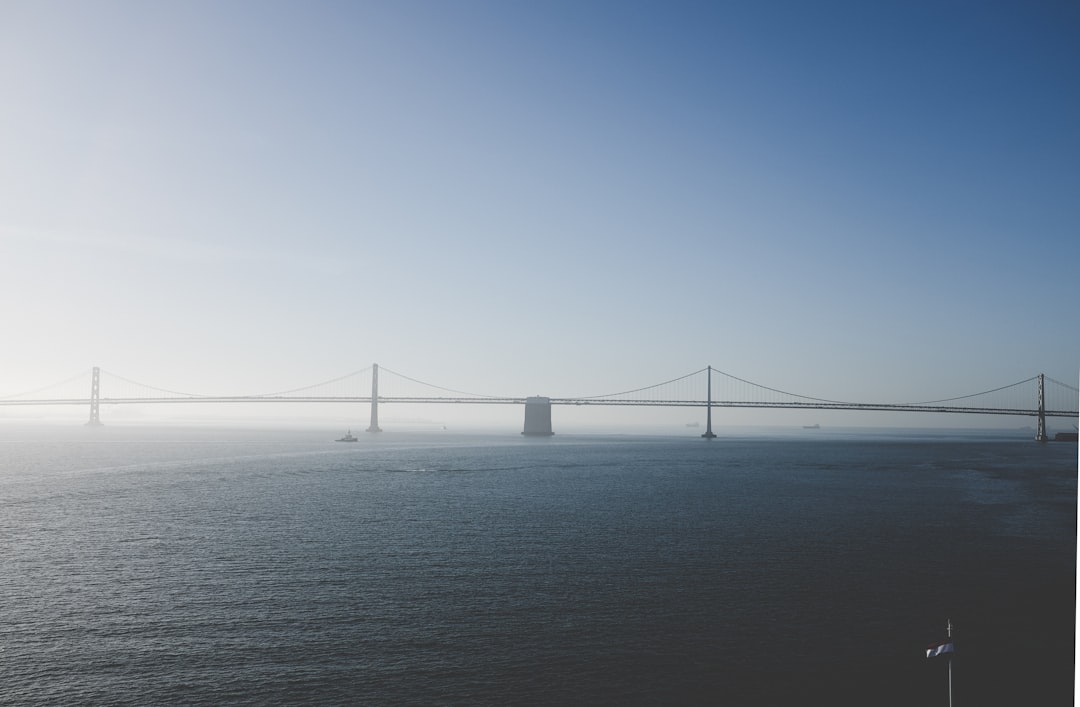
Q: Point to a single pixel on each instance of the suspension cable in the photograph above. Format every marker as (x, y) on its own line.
(974, 395)
(648, 387)
(316, 385)
(782, 392)
(1063, 385)
(74, 378)
(437, 387)
(261, 395)
(152, 387)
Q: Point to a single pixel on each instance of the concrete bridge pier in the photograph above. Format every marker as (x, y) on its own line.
(537, 417)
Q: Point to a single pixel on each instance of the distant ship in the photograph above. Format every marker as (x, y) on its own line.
(347, 438)
(811, 427)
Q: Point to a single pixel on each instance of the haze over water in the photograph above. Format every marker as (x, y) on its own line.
(253, 567)
(869, 202)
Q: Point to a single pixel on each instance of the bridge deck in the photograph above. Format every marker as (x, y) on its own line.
(557, 401)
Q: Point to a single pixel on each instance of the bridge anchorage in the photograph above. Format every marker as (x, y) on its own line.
(537, 417)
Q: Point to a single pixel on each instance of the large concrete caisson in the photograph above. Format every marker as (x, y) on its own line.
(538, 417)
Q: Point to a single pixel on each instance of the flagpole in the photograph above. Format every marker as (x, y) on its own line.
(948, 635)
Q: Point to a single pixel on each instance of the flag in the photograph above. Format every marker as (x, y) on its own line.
(939, 649)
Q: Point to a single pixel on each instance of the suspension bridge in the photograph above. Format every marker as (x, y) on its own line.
(1038, 397)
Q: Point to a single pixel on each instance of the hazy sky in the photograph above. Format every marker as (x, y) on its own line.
(858, 200)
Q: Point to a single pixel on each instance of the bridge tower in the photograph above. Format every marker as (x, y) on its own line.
(1040, 433)
(708, 411)
(95, 399)
(374, 426)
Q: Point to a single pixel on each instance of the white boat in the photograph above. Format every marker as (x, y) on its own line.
(347, 438)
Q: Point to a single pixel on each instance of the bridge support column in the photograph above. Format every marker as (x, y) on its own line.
(708, 411)
(95, 399)
(374, 426)
(1040, 433)
(537, 417)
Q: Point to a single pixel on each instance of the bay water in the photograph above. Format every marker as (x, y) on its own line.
(200, 566)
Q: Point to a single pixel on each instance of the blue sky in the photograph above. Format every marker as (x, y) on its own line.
(868, 201)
